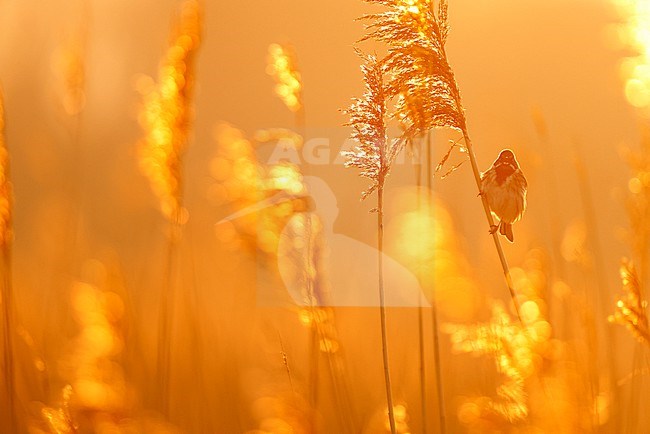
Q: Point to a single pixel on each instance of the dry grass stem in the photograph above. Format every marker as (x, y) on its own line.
(6, 294)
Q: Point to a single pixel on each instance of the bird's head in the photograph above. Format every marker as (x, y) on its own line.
(507, 158)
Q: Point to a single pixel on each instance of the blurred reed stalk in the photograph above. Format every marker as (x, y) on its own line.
(282, 66)
(9, 417)
(434, 316)
(285, 362)
(166, 313)
(602, 298)
(382, 303)
(631, 313)
(434, 308)
(166, 117)
(421, 347)
(541, 129)
(69, 69)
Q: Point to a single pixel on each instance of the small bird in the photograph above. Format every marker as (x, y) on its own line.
(504, 186)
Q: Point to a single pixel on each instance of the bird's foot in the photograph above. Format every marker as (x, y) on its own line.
(493, 229)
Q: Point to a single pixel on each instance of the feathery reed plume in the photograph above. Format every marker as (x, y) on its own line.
(374, 153)
(6, 294)
(282, 66)
(166, 119)
(631, 309)
(420, 73)
(373, 156)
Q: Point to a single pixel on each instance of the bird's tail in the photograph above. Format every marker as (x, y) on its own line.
(506, 230)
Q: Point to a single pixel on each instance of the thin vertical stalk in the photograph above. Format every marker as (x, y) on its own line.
(8, 350)
(601, 283)
(6, 290)
(165, 318)
(285, 361)
(552, 191)
(423, 381)
(309, 272)
(382, 303)
(434, 313)
(198, 352)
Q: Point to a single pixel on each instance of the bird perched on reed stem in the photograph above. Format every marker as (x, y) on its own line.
(505, 187)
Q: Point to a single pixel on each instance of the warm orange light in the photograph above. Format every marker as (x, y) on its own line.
(282, 67)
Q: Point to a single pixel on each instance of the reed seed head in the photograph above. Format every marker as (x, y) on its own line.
(167, 113)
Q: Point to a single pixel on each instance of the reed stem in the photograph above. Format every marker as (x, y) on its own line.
(165, 324)
(8, 416)
(434, 312)
(423, 382)
(602, 298)
(8, 350)
(382, 303)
